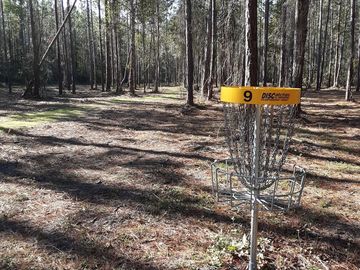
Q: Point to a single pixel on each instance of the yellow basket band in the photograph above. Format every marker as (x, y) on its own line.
(260, 95)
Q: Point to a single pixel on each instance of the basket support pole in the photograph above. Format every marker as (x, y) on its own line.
(255, 191)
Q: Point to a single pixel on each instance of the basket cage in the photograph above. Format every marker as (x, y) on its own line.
(284, 194)
(276, 127)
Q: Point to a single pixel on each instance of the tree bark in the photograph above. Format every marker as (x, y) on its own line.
(144, 55)
(108, 47)
(337, 54)
(189, 53)
(117, 55)
(72, 54)
(36, 55)
(6, 56)
(132, 65)
(93, 45)
(157, 61)
(323, 56)
(283, 46)
(301, 15)
(266, 41)
(207, 56)
(318, 58)
(60, 75)
(348, 93)
(66, 64)
(90, 51)
(251, 49)
(213, 49)
(102, 73)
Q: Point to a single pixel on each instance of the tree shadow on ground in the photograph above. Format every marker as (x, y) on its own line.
(340, 238)
(85, 248)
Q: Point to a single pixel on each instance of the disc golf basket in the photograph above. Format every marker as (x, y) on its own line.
(259, 124)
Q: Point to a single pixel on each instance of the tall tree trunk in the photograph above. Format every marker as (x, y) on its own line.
(251, 55)
(6, 56)
(132, 65)
(325, 41)
(301, 15)
(149, 58)
(331, 56)
(157, 61)
(337, 48)
(189, 53)
(93, 45)
(36, 52)
(348, 94)
(72, 54)
(144, 55)
(117, 55)
(23, 50)
(102, 73)
(291, 47)
(60, 75)
(112, 44)
(266, 41)
(358, 68)
(213, 49)
(90, 51)
(107, 45)
(207, 56)
(66, 63)
(282, 74)
(318, 58)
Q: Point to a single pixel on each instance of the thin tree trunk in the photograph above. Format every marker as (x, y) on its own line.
(325, 41)
(189, 53)
(93, 45)
(23, 50)
(108, 47)
(337, 55)
(157, 61)
(330, 66)
(118, 56)
(66, 64)
(213, 49)
(318, 58)
(358, 68)
(266, 41)
(60, 76)
(348, 94)
(102, 73)
(207, 56)
(6, 57)
(72, 54)
(283, 47)
(149, 57)
(144, 53)
(56, 35)
(132, 66)
(112, 42)
(90, 51)
(36, 55)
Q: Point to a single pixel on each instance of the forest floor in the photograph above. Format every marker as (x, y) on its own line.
(97, 181)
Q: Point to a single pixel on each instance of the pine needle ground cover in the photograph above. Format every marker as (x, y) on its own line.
(116, 182)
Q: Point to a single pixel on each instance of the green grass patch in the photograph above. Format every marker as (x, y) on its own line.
(33, 119)
(343, 167)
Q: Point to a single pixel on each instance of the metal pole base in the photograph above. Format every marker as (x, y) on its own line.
(254, 229)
